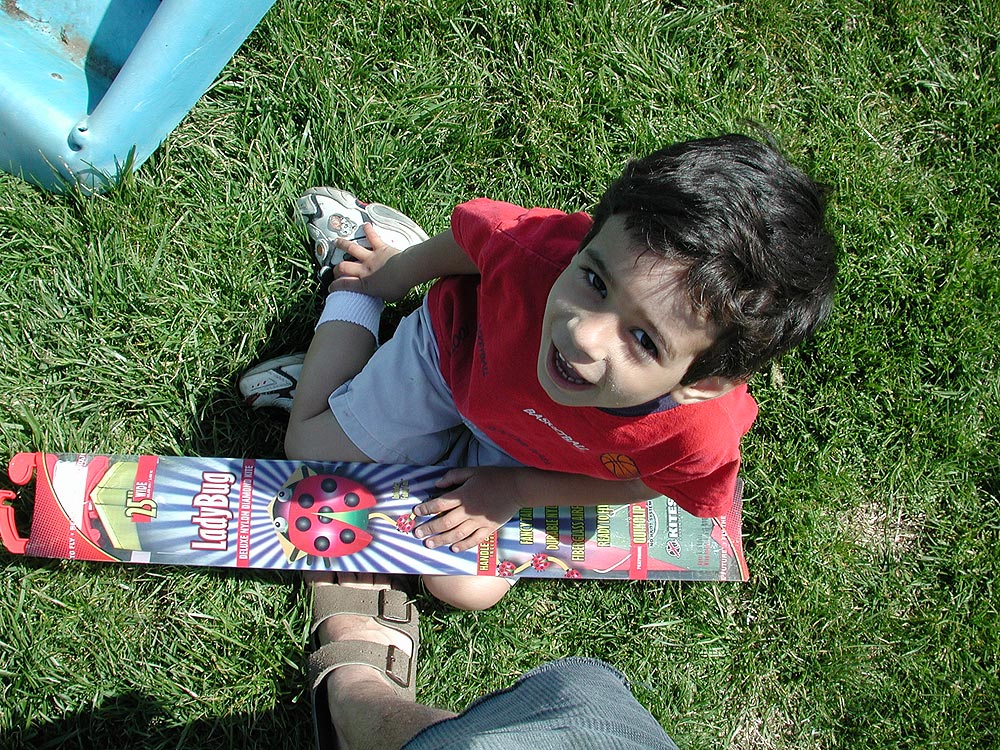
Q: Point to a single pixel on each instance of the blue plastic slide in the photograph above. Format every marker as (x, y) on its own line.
(89, 88)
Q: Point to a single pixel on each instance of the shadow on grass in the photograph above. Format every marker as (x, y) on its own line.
(109, 714)
(134, 720)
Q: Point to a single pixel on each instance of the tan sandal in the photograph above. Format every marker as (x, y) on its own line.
(388, 607)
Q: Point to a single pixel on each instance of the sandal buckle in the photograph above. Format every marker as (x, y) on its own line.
(398, 666)
(389, 609)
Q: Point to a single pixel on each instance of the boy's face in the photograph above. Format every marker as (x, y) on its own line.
(619, 329)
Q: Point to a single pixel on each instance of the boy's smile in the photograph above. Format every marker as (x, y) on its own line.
(619, 329)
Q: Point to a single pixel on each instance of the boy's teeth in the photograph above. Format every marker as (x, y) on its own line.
(567, 371)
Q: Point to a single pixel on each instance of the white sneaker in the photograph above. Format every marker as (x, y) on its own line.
(329, 213)
(272, 383)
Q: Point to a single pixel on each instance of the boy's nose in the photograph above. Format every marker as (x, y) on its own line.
(593, 333)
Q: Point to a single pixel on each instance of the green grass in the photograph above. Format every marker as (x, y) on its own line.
(871, 527)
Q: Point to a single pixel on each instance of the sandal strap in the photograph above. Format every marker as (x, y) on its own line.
(394, 663)
(390, 607)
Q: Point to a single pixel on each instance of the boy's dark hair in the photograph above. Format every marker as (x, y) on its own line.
(748, 228)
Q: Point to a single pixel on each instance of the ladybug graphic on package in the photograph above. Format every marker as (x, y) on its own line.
(323, 515)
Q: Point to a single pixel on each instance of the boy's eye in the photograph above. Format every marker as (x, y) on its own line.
(645, 340)
(597, 283)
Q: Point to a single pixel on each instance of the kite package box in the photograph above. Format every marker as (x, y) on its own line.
(307, 515)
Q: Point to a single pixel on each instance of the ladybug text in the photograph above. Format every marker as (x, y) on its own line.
(213, 513)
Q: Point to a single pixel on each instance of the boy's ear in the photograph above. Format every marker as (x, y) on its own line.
(703, 390)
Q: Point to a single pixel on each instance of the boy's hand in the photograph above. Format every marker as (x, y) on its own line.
(484, 499)
(371, 271)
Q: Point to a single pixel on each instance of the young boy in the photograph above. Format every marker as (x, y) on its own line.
(562, 359)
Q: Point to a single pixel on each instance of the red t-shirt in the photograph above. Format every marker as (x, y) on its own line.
(488, 330)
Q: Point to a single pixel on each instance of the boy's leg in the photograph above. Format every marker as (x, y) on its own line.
(343, 344)
(468, 592)
(339, 350)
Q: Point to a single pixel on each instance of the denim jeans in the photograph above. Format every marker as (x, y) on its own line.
(568, 704)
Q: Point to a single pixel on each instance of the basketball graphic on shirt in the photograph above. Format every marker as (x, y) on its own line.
(620, 465)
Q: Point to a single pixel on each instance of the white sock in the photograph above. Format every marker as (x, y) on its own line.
(353, 307)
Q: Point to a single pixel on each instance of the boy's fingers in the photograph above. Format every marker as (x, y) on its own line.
(371, 234)
(453, 477)
(435, 506)
(469, 543)
(462, 537)
(350, 268)
(346, 283)
(353, 248)
(437, 525)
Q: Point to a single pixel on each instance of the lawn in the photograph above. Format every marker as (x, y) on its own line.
(873, 480)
